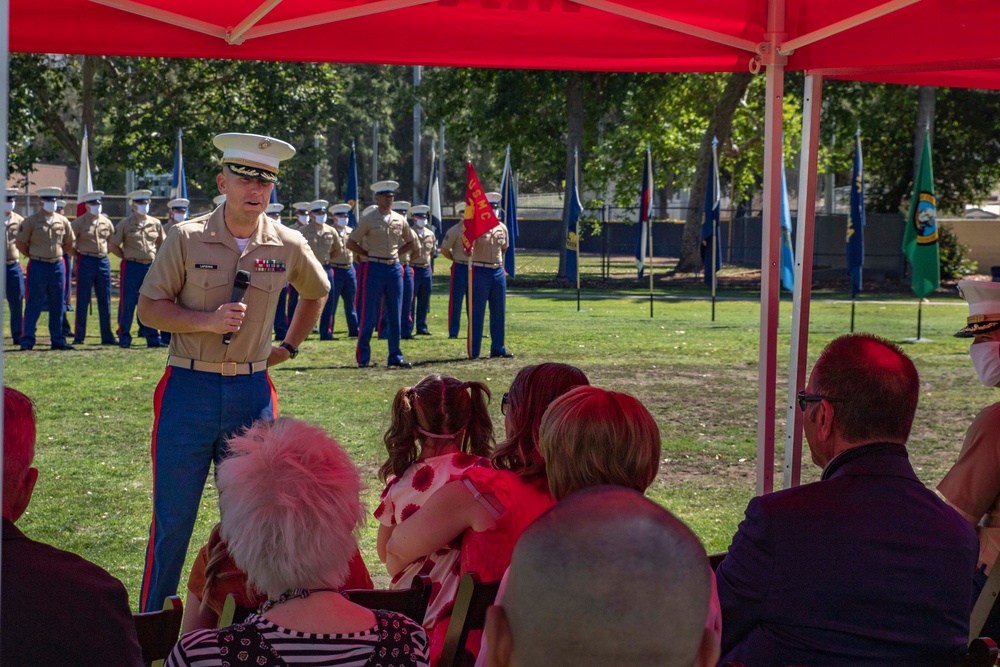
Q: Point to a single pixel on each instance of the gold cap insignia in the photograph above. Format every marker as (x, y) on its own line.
(264, 144)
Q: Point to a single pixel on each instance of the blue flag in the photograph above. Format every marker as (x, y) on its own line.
(274, 195)
(787, 252)
(856, 220)
(645, 214)
(710, 227)
(432, 197)
(351, 196)
(508, 212)
(573, 224)
(178, 184)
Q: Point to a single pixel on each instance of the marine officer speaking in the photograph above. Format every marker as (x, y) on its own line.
(216, 380)
(377, 242)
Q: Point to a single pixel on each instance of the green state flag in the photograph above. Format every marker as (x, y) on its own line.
(920, 237)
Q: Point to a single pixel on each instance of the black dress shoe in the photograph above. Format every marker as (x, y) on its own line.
(64, 346)
(424, 333)
(402, 364)
(26, 348)
(77, 342)
(406, 338)
(109, 342)
(363, 365)
(504, 355)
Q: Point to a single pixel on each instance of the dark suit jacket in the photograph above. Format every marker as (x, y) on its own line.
(59, 609)
(867, 567)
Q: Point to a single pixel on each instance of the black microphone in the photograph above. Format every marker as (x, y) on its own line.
(240, 285)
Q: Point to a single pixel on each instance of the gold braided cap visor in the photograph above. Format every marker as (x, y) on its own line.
(977, 325)
(251, 169)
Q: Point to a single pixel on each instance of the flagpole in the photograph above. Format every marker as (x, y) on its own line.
(715, 268)
(649, 245)
(576, 179)
(852, 314)
(920, 316)
(715, 222)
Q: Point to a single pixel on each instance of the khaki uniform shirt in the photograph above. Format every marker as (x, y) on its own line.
(321, 241)
(972, 486)
(13, 224)
(421, 255)
(139, 237)
(452, 242)
(380, 238)
(45, 239)
(197, 265)
(92, 234)
(490, 247)
(342, 257)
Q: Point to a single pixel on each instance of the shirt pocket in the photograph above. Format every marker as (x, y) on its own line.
(262, 297)
(208, 288)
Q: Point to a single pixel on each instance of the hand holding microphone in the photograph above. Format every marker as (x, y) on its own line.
(240, 285)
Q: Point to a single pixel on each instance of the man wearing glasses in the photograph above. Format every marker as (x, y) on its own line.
(93, 270)
(378, 241)
(866, 566)
(45, 236)
(15, 276)
(136, 240)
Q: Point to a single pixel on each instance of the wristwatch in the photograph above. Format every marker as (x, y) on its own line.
(292, 350)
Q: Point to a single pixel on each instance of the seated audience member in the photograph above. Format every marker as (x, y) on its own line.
(214, 576)
(606, 577)
(290, 506)
(590, 437)
(866, 566)
(57, 608)
(972, 486)
(489, 508)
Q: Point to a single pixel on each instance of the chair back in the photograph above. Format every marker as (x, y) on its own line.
(158, 630)
(233, 613)
(469, 613)
(411, 602)
(982, 653)
(985, 619)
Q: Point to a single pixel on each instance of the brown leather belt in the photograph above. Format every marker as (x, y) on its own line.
(227, 368)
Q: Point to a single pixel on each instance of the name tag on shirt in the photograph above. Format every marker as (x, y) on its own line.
(206, 266)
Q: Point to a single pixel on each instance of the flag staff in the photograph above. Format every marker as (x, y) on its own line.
(715, 224)
(649, 227)
(576, 179)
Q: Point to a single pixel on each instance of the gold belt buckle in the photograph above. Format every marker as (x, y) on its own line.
(229, 368)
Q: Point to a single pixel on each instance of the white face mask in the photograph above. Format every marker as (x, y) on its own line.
(986, 361)
(341, 220)
(9, 206)
(49, 206)
(319, 218)
(142, 209)
(180, 217)
(420, 222)
(94, 209)
(303, 218)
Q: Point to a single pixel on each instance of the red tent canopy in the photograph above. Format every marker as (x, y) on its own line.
(599, 35)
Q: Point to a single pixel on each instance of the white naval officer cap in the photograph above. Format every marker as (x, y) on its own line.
(49, 193)
(180, 202)
(400, 206)
(219, 200)
(96, 195)
(419, 210)
(139, 194)
(274, 208)
(369, 209)
(340, 209)
(383, 187)
(301, 206)
(984, 307)
(253, 155)
(494, 197)
(11, 192)
(318, 205)
(60, 203)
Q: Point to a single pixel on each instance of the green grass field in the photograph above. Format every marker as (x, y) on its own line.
(698, 378)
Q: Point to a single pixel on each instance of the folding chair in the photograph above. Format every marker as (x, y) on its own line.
(411, 602)
(469, 613)
(985, 619)
(158, 630)
(233, 613)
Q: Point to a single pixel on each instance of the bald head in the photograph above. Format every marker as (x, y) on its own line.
(606, 577)
(18, 452)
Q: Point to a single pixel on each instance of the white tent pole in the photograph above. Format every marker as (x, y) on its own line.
(787, 48)
(670, 24)
(4, 110)
(770, 252)
(802, 294)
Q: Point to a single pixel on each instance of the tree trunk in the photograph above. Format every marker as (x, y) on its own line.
(925, 123)
(574, 139)
(720, 125)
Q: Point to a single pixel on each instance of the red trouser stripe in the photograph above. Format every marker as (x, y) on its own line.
(157, 406)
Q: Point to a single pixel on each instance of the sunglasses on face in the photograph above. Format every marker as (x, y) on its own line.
(178, 209)
(805, 398)
(140, 201)
(48, 198)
